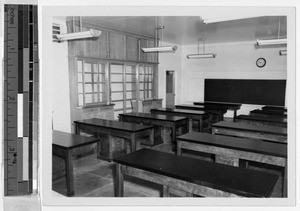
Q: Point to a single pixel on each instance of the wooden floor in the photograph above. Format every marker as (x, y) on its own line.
(95, 178)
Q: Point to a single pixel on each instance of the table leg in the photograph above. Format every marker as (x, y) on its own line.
(234, 115)
(200, 124)
(119, 181)
(284, 184)
(133, 142)
(190, 125)
(179, 151)
(152, 137)
(166, 191)
(69, 173)
(173, 138)
(77, 129)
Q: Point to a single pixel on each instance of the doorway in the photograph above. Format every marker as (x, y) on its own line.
(170, 89)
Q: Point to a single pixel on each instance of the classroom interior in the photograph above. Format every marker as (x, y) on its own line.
(135, 115)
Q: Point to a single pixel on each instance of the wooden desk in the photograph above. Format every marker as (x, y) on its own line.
(128, 131)
(172, 122)
(192, 175)
(267, 133)
(274, 108)
(230, 106)
(201, 116)
(229, 150)
(262, 120)
(62, 146)
(217, 112)
(267, 113)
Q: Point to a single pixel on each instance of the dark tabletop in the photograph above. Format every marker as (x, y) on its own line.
(69, 141)
(270, 118)
(179, 111)
(155, 116)
(112, 124)
(248, 145)
(224, 177)
(250, 127)
(201, 107)
(270, 112)
(209, 103)
(276, 108)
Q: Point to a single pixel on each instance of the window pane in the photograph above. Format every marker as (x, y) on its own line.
(130, 78)
(118, 105)
(102, 87)
(141, 70)
(80, 100)
(88, 77)
(95, 78)
(130, 95)
(116, 87)
(101, 68)
(141, 94)
(150, 70)
(130, 86)
(95, 88)
(141, 86)
(128, 110)
(101, 96)
(150, 86)
(130, 69)
(79, 77)
(101, 78)
(87, 67)
(87, 88)
(88, 98)
(95, 98)
(150, 94)
(95, 68)
(116, 69)
(116, 78)
(116, 96)
(79, 66)
(80, 88)
(128, 104)
(141, 78)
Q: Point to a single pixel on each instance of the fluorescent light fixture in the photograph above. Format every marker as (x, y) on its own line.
(201, 56)
(171, 48)
(222, 19)
(283, 52)
(271, 42)
(78, 35)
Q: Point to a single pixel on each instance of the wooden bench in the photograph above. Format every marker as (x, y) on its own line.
(192, 175)
(202, 117)
(229, 106)
(217, 112)
(266, 133)
(262, 120)
(267, 113)
(62, 146)
(109, 147)
(229, 150)
(159, 122)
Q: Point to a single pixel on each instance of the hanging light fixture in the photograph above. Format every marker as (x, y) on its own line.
(278, 41)
(283, 52)
(78, 35)
(171, 48)
(203, 55)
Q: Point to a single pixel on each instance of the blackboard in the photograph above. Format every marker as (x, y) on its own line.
(260, 92)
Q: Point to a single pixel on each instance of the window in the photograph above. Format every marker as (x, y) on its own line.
(91, 83)
(146, 81)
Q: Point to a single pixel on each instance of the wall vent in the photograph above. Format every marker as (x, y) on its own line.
(55, 31)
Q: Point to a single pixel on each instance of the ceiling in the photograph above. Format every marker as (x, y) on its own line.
(185, 30)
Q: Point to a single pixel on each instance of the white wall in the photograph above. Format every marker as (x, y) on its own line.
(235, 60)
(170, 61)
(61, 115)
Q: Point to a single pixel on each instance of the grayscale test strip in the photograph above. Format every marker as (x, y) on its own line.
(21, 73)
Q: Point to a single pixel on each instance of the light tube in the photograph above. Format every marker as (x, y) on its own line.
(201, 56)
(271, 42)
(171, 48)
(78, 35)
(283, 52)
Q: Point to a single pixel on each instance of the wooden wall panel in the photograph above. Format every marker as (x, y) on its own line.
(131, 48)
